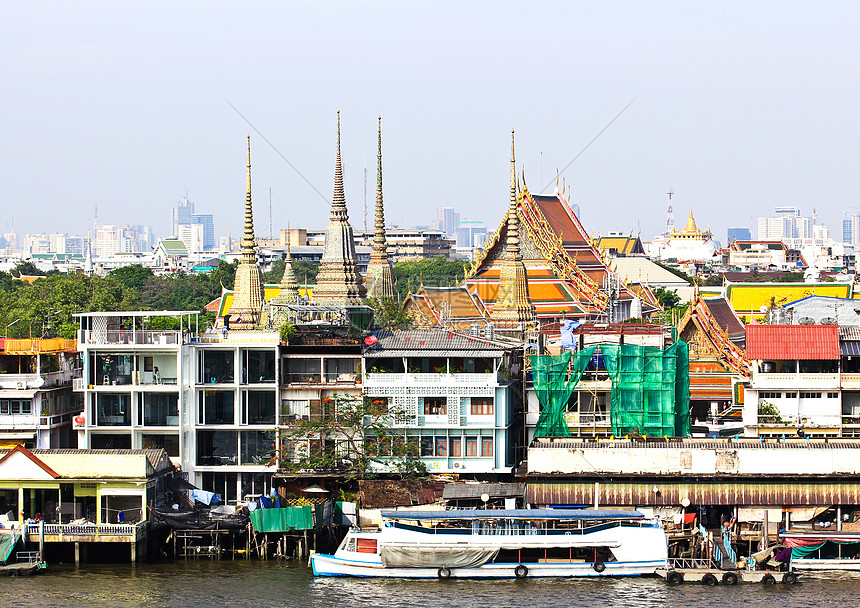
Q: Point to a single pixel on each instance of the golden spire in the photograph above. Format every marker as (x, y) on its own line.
(248, 253)
(289, 293)
(248, 292)
(691, 227)
(380, 279)
(338, 207)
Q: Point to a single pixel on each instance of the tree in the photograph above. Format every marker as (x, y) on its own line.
(667, 298)
(439, 271)
(389, 314)
(275, 275)
(27, 268)
(305, 271)
(350, 435)
(132, 277)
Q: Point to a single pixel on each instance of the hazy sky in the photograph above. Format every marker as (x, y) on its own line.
(739, 106)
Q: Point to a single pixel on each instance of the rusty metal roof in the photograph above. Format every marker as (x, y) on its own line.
(702, 492)
(789, 342)
(462, 491)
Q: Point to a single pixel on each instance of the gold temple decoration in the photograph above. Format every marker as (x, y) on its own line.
(380, 278)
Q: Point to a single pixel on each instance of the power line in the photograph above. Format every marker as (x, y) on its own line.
(278, 152)
(581, 152)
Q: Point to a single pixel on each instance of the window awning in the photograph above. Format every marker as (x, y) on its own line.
(14, 394)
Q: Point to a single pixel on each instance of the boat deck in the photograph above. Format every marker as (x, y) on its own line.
(713, 576)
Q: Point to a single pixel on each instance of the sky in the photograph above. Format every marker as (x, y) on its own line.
(736, 106)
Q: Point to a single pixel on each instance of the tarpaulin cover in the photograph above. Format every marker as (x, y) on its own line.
(192, 519)
(650, 389)
(283, 519)
(554, 387)
(435, 557)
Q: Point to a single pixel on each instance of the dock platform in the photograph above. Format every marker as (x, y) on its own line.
(713, 576)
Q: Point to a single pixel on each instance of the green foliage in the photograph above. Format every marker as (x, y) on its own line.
(667, 298)
(275, 275)
(344, 438)
(305, 271)
(768, 412)
(389, 314)
(288, 331)
(715, 280)
(132, 277)
(439, 271)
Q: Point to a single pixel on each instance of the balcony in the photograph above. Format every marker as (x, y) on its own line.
(138, 337)
(851, 381)
(31, 381)
(110, 533)
(798, 382)
(393, 379)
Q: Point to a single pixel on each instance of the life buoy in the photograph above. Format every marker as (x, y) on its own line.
(730, 578)
(768, 579)
(444, 573)
(789, 578)
(674, 578)
(599, 566)
(521, 571)
(709, 579)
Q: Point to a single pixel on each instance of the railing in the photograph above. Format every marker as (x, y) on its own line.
(434, 379)
(691, 563)
(128, 336)
(28, 346)
(132, 530)
(796, 381)
(850, 380)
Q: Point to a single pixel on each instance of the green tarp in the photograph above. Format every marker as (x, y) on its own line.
(283, 519)
(650, 388)
(554, 388)
(7, 545)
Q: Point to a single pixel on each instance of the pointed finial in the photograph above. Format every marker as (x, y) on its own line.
(247, 244)
(338, 206)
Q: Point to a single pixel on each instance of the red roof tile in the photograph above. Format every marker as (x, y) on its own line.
(788, 342)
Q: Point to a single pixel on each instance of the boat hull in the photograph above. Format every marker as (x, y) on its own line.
(329, 565)
(805, 563)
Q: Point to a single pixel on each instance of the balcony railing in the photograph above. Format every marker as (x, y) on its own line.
(409, 379)
(127, 336)
(317, 378)
(796, 381)
(129, 532)
(31, 381)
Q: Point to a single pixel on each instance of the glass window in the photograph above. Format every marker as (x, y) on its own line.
(170, 443)
(302, 371)
(160, 409)
(216, 367)
(215, 448)
(471, 446)
(111, 369)
(456, 447)
(441, 446)
(258, 447)
(112, 409)
(254, 484)
(486, 446)
(216, 407)
(110, 441)
(340, 370)
(435, 406)
(259, 367)
(482, 406)
(259, 407)
(5, 407)
(16, 406)
(222, 484)
(426, 446)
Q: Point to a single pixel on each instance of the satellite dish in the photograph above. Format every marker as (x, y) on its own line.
(685, 502)
(485, 498)
(763, 308)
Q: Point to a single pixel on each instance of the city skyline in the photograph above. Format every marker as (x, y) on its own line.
(129, 110)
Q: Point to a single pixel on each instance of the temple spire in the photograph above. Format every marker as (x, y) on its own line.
(380, 278)
(513, 309)
(289, 293)
(338, 281)
(248, 286)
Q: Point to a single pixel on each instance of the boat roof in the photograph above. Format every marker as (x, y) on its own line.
(512, 514)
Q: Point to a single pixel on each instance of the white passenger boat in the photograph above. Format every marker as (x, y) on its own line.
(500, 543)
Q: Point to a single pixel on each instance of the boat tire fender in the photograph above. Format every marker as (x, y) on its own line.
(674, 578)
(709, 579)
(789, 578)
(768, 579)
(13, 573)
(444, 573)
(599, 566)
(521, 571)
(730, 578)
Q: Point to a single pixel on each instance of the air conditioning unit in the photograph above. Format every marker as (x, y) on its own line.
(456, 465)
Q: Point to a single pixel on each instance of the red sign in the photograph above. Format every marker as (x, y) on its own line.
(371, 340)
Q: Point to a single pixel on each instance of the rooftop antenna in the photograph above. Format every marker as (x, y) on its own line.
(670, 214)
(270, 213)
(365, 202)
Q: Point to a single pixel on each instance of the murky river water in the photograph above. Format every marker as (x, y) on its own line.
(263, 584)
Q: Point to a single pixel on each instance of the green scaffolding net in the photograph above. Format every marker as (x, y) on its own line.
(650, 388)
(554, 388)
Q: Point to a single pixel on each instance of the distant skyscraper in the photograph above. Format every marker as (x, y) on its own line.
(207, 221)
(181, 214)
(447, 221)
(739, 234)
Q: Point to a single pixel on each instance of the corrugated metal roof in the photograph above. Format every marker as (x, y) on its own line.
(849, 332)
(705, 492)
(454, 491)
(418, 342)
(850, 348)
(788, 342)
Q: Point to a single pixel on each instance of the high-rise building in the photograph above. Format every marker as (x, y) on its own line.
(192, 236)
(181, 214)
(447, 221)
(738, 234)
(208, 222)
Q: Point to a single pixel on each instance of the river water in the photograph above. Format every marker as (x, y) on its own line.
(235, 584)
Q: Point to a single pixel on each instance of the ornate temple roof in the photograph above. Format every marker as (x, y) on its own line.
(451, 307)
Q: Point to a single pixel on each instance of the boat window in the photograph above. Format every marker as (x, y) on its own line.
(366, 545)
(349, 544)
